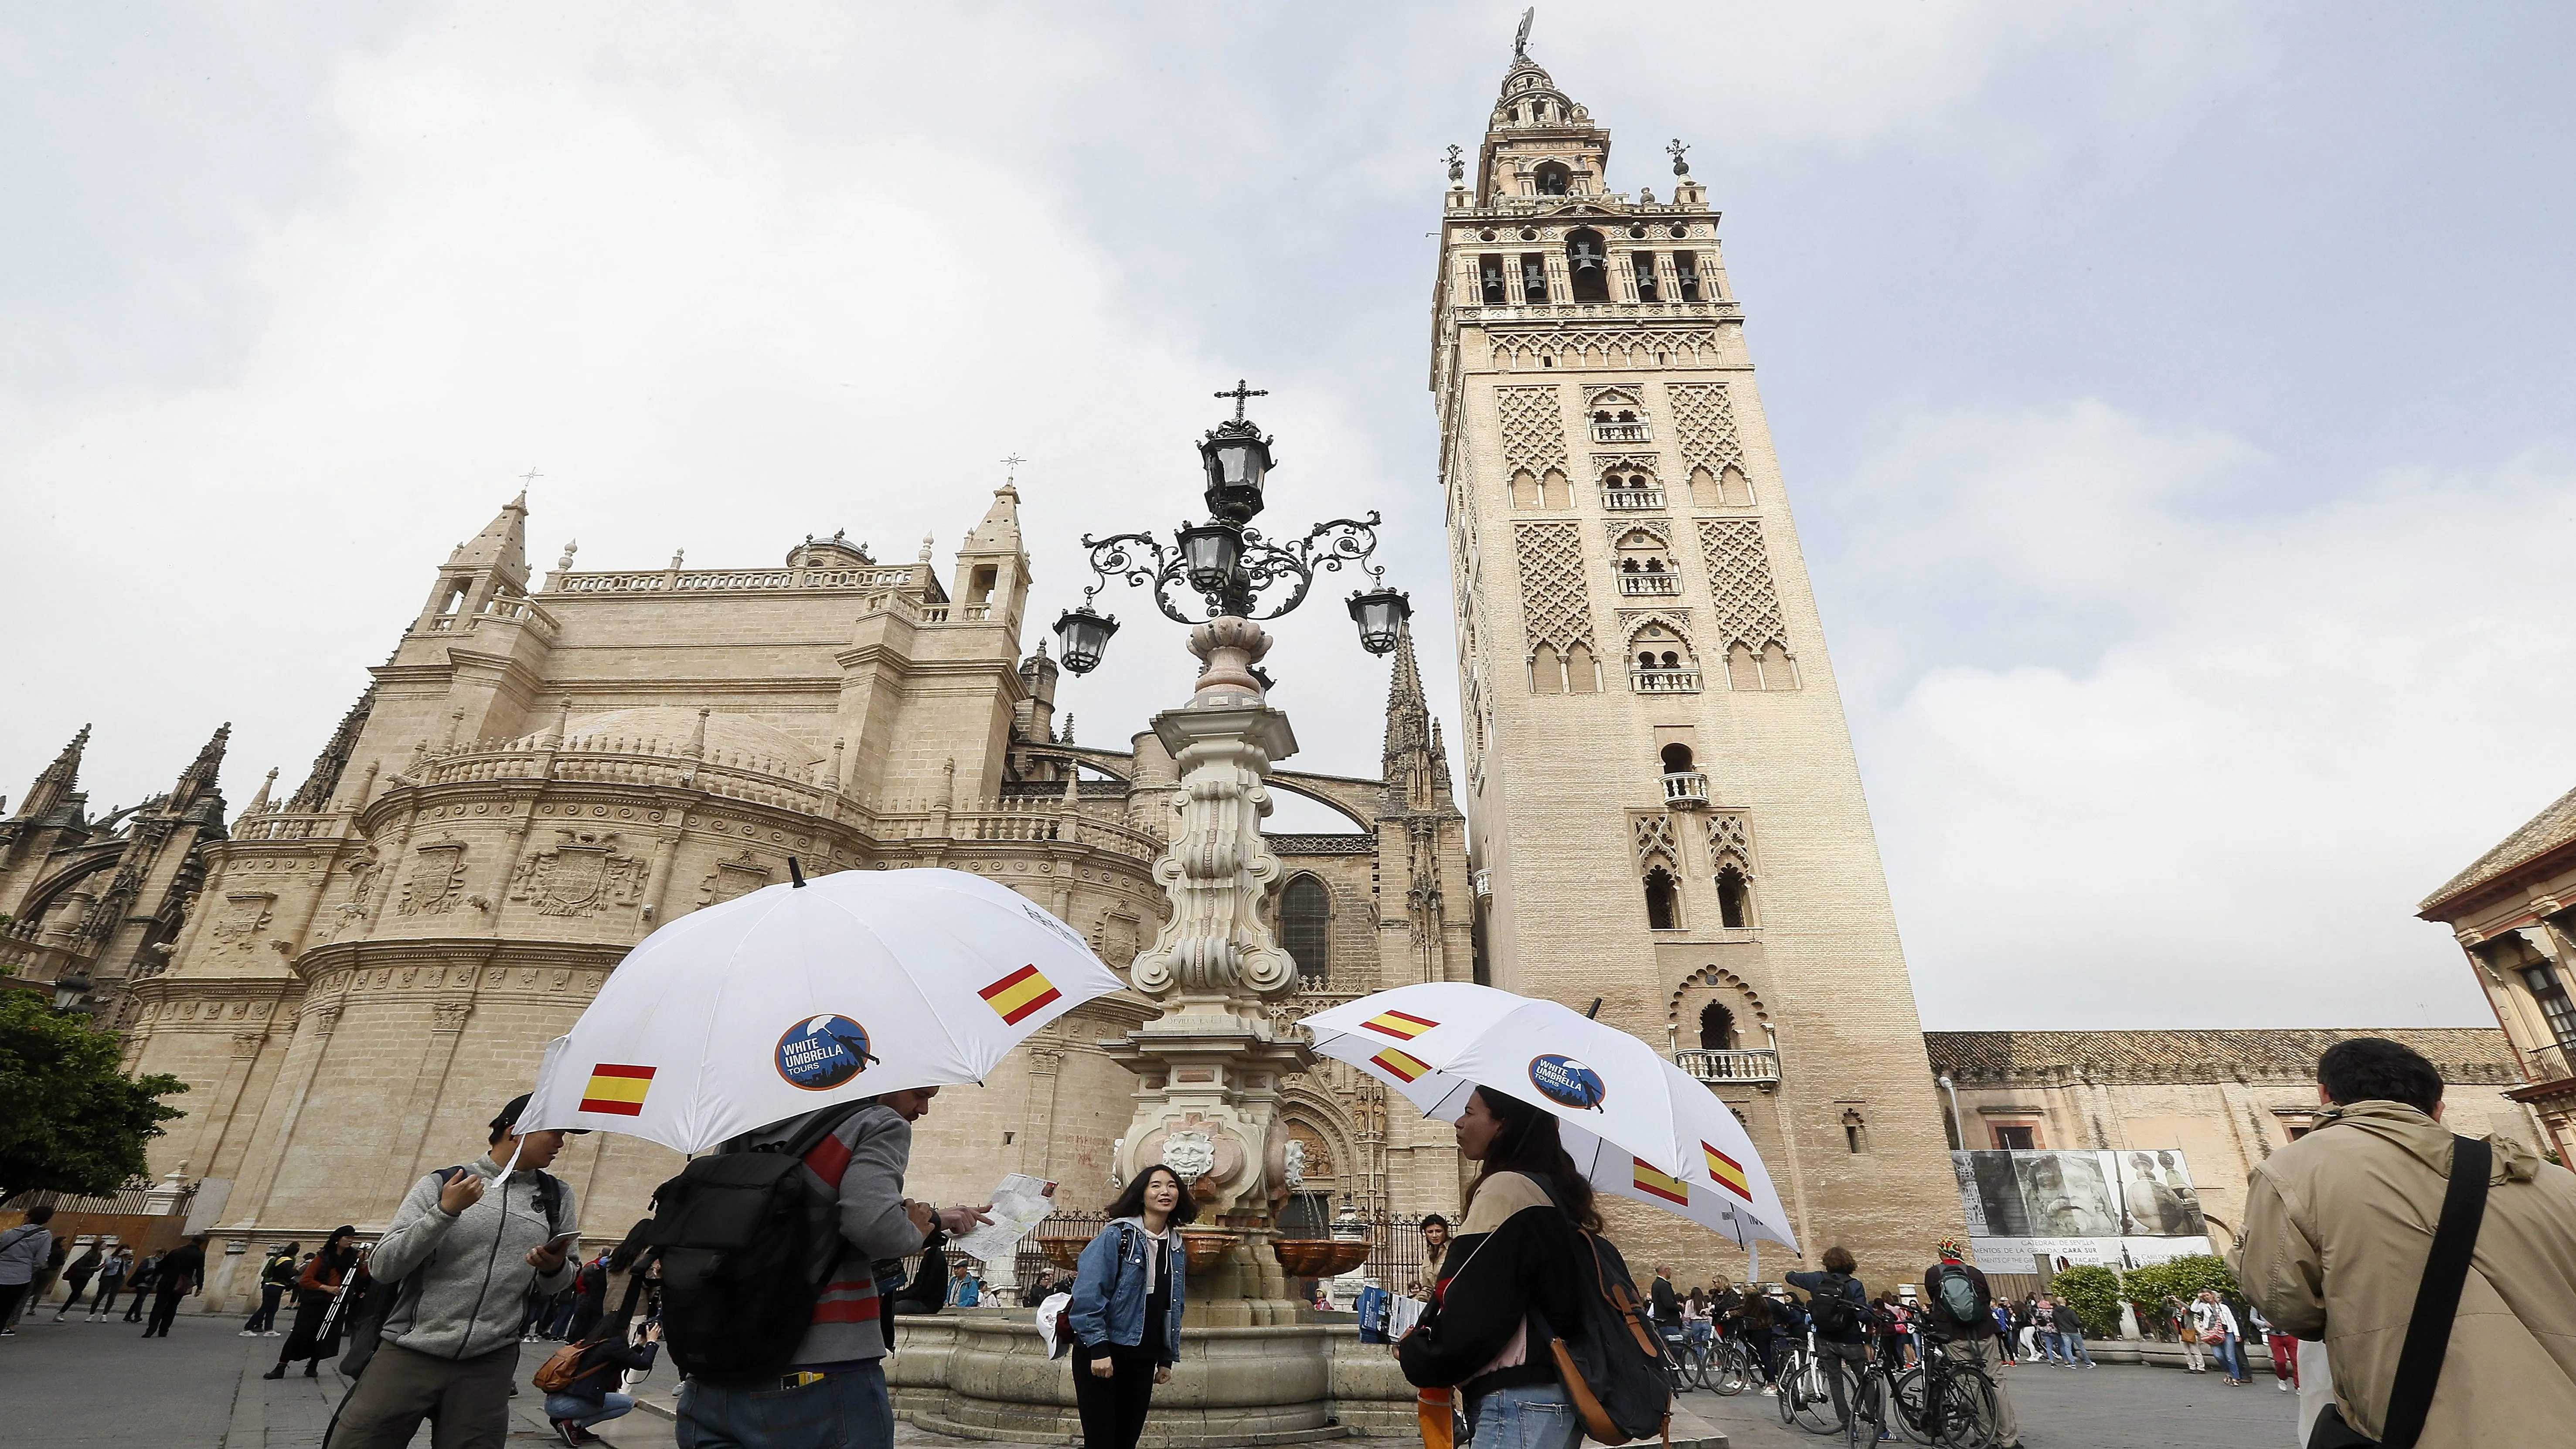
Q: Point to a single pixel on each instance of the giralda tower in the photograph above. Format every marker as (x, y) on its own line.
(1664, 808)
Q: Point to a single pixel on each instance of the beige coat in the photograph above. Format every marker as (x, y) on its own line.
(2337, 1228)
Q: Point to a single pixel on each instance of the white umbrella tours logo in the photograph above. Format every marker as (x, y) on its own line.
(819, 1053)
(1569, 1083)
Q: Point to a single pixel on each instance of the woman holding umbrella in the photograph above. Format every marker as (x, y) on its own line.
(1513, 1258)
(315, 1290)
(1128, 1290)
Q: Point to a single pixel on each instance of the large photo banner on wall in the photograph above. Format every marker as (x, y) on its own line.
(2115, 1209)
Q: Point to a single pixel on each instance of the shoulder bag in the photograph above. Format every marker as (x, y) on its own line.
(2437, 1302)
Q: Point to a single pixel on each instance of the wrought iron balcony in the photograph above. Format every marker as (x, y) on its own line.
(1637, 432)
(1631, 500)
(1685, 789)
(1663, 681)
(1759, 1067)
(1659, 585)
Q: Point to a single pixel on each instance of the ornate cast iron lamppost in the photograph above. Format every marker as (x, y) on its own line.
(1233, 571)
(1211, 1064)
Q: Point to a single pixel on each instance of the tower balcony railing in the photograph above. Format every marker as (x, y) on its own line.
(1683, 680)
(1685, 789)
(1649, 585)
(1758, 1067)
(2549, 1064)
(1622, 433)
(1631, 500)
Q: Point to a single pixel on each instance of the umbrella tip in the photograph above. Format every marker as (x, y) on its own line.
(1594, 1013)
(795, 873)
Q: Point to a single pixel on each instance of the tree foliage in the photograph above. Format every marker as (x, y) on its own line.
(69, 1120)
(2182, 1278)
(2094, 1294)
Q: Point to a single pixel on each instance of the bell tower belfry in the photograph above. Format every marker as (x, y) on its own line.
(1664, 808)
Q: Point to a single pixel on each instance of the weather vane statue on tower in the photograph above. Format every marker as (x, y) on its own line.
(1520, 42)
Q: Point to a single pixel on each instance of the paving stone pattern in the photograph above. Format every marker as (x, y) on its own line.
(84, 1385)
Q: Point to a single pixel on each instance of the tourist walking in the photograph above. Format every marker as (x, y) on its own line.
(2215, 1322)
(2343, 1225)
(78, 1273)
(23, 1250)
(458, 1258)
(2026, 1326)
(1759, 1326)
(1839, 1308)
(145, 1275)
(317, 1286)
(1959, 1316)
(1128, 1292)
(111, 1281)
(183, 1271)
(2177, 1315)
(2280, 1347)
(1516, 1253)
(2070, 1334)
(2002, 1315)
(275, 1277)
(834, 1382)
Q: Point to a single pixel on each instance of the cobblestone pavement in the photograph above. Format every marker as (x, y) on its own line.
(2116, 1406)
(81, 1385)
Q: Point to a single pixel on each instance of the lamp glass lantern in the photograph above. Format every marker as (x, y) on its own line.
(1210, 553)
(1238, 463)
(1081, 637)
(1381, 615)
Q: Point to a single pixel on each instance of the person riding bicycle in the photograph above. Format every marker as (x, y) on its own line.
(1838, 1306)
(1959, 1314)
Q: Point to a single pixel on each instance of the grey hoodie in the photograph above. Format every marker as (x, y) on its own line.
(467, 1276)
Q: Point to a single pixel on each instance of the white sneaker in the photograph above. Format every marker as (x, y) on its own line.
(1770, 1392)
(272, 1333)
(246, 1333)
(2282, 1384)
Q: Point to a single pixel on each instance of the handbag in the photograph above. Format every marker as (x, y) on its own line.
(563, 1366)
(2437, 1302)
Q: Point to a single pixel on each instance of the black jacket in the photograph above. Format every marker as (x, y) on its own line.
(2064, 1318)
(596, 1374)
(1524, 1266)
(1668, 1309)
(183, 1271)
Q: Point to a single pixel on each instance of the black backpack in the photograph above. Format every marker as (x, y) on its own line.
(738, 1231)
(1833, 1313)
(1611, 1360)
(365, 1326)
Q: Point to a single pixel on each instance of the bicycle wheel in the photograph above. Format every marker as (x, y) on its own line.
(1787, 1373)
(1815, 1406)
(1907, 1409)
(1967, 1411)
(1732, 1370)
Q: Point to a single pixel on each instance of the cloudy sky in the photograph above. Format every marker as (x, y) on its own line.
(2174, 400)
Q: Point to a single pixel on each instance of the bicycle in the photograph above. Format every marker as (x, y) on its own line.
(1730, 1367)
(1806, 1395)
(1946, 1403)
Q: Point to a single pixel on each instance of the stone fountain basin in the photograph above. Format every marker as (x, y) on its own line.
(1320, 1257)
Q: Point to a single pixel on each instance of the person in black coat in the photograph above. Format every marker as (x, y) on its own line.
(317, 1331)
(183, 1271)
(588, 1399)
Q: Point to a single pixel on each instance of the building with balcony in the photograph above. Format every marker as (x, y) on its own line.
(2513, 912)
(353, 978)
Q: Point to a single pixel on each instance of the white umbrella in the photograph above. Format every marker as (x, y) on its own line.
(797, 996)
(1635, 1124)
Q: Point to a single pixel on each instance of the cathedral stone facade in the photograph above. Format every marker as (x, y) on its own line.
(1665, 809)
(539, 776)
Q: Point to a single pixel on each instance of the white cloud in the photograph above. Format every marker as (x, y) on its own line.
(2282, 730)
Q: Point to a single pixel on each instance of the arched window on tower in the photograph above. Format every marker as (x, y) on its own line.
(1305, 919)
(1716, 1028)
(1587, 266)
(1663, 901)
(1489, 281)
(1677, 759)
(1734, 898)
(1552, 179)
(1534, 283)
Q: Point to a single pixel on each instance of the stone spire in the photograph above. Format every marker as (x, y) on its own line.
(323, 781)
(1000, 530)
(197, 783)
(502, 546)
(1415, 776)
(57, 781)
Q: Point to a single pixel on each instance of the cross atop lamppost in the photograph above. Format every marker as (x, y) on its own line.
(1242, 392)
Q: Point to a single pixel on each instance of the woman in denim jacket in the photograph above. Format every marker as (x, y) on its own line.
(1126, 1311)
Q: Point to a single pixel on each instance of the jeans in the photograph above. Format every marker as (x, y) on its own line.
(847, 1410)
(2071, 1344)
(264, 1317)
(586, 1412)
(1528, 1416)
(2231, 1357)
